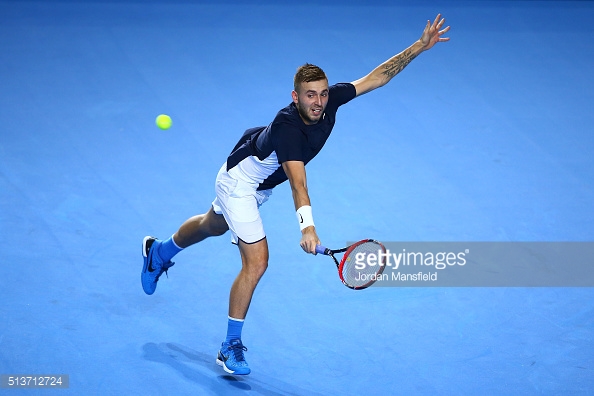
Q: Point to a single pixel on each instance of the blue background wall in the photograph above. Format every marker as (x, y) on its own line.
(485, 138)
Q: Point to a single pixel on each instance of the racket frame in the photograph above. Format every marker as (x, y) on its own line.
(348, 250)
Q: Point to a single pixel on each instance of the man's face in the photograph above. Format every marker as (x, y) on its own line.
(311, 100)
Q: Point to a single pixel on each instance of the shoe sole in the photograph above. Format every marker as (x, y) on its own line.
(224, 366)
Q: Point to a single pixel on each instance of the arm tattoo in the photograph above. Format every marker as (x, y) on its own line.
(400, 62)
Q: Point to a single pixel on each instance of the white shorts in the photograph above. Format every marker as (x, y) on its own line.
(239, 203)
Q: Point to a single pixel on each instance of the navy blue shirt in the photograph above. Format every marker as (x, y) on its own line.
(288, 138)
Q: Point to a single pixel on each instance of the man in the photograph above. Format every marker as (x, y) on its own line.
(263, 158)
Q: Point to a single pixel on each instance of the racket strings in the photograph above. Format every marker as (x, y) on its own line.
(363, 264)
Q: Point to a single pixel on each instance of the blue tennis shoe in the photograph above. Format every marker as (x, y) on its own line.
(231, 358)
(153, 266)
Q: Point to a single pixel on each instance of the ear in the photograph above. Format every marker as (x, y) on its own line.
(295, 97)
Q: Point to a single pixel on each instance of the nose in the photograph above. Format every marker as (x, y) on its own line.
(318, 100)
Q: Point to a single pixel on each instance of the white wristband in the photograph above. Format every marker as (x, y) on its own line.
(304, 217)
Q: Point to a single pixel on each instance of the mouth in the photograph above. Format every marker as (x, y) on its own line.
(316, 112)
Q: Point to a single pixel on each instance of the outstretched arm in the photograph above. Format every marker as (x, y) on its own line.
(295, 171)
(382, 74)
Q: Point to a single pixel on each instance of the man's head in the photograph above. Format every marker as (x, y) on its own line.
(310, 93)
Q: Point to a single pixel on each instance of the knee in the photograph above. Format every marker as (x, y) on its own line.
(254, 258)
(261, 268)
(215, 224)
(256, 269)
(218, 229)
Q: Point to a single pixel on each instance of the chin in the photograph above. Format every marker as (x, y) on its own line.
(315, 119)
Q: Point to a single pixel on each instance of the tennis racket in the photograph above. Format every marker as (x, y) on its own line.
(362, 264)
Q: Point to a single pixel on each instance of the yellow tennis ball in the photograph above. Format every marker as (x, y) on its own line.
(163, 121)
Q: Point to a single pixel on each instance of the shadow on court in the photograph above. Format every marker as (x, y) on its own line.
(199, 367)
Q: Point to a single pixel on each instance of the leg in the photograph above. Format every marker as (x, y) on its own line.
(158, 254)
(241, 211)
(254, 260)
(200, 227)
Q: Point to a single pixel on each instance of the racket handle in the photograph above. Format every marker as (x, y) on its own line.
(321, 250)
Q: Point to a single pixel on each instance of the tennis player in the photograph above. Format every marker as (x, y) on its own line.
(263, 158)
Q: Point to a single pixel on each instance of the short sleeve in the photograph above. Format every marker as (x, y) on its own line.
(288, 141)
(341, 93)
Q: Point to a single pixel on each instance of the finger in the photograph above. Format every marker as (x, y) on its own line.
(444, 30)
(427, 31)
(436, 19)
(304, 247)
(312, 247)
(316, 244)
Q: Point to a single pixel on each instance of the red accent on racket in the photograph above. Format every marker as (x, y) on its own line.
(357, 270)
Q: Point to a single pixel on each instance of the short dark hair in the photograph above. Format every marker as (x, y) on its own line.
(308, 73)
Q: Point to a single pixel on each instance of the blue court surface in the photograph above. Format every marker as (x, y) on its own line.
(487, 137)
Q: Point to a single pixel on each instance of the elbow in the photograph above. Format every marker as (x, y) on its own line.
(299, 188)
(377, 82)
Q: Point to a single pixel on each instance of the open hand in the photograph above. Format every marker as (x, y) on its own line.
(432, 33)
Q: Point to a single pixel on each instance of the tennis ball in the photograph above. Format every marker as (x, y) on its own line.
(163, 121)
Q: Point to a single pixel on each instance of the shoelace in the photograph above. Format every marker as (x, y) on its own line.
(165, 269)
(238, 350)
